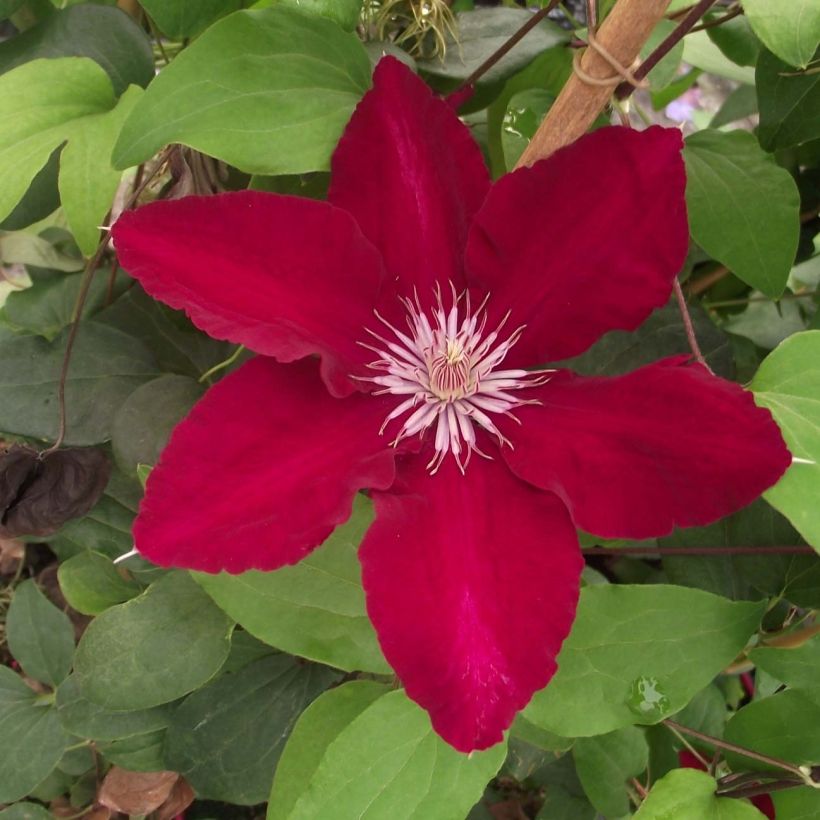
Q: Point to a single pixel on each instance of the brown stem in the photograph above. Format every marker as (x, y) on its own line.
(519, 35)
(792, 639)
(688, 326)
(622, 35)
(683, 28)
(79, 305)
(740, 750)
(85, 287)
(720, 20)
(697, 286)
(700, 551)
(809, 294)
(753, 790)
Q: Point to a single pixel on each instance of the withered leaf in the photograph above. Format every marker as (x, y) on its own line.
(12, 553)
(38, 495)
(135, 792)
(182, 795)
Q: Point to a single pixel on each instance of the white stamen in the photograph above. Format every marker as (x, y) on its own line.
(447, 367)
(796, 460)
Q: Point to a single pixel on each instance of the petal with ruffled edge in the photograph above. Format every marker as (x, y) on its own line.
(284, 276)
(472, 583)
(412, 175)
(584, 242)
(633, 456)
(261, 471)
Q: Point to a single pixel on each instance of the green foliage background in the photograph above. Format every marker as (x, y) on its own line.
(268, 692)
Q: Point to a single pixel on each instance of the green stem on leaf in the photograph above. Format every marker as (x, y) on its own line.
(222, 365)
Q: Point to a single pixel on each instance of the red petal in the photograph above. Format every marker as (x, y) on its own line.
(584, 242)
(635, 455)
(284, 276)
(261, 471)
(472, 583)
(411, 174)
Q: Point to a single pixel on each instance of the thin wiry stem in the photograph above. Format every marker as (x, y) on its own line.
(688, 326)
(519, 35)
(624, 90)
(82, 296)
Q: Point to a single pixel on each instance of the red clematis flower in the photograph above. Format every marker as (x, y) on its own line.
(425, 294)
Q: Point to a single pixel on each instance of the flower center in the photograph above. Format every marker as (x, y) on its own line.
(446, 369)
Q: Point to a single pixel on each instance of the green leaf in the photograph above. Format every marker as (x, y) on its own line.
(91, 583)
(741, 103)
(797, 667)
(30, 249)
(789, 103)
(637, 654)
(788, 384)
(523, 116)
(604, 763)
(49, 102)
(88, 182)
(44, 102)
(318, 726)
(39, 635)
(565, 798)
(406, 772)
(106, 367)
(144, 422)
(767, 323)
(700, 51)
(736, 40)
(106, 35)
(245, 649)
(314, 609)
(141, 753)
(47, 307)
(8, 7)
(26, 811)
(796, 804)
(790, 30)
(742, 577)
(662, 334)
(107, 528)
(174, 342)
(34, 739)
(80, 717)
(41, 199)
(744, 209)
(153, 649)
(267, 91)
(706, 712)
(181, 18)
(530, 733)
(782, 725)
(687, 794)
(480, 34)
(344, 12)
(216, 739)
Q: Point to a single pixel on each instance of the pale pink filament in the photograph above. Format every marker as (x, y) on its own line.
(445, 367)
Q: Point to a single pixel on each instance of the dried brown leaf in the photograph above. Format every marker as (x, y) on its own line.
(135, 792)
(39, 494)
(12, 553)
(182, 795)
